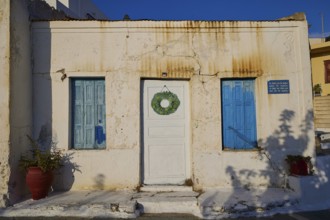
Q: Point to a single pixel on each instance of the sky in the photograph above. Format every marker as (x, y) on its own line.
(241, 10)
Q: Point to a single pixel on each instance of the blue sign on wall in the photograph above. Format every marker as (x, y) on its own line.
(278, 87)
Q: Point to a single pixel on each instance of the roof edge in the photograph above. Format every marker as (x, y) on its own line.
(299, 16)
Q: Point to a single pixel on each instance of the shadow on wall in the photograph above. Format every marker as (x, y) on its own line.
(99, 181)
(43, 107)
(275, 148)
(26, 113)
(64, 177)
(281, 143)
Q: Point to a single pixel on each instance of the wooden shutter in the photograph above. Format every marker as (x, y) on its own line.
(238, 114)
(88, 110)
(250, 129)
(227, 114)
(78, 113)
(100, 112)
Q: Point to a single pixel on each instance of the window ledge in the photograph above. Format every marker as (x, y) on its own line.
(241, 150)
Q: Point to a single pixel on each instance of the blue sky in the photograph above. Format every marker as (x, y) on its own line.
(220, 10)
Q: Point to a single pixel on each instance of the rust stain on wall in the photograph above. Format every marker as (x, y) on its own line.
(247, 62)
(175, 67)
(102, 44)
(249, 66)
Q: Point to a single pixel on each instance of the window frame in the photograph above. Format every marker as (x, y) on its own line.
(326, 71)
(72, 113)
(247, 149)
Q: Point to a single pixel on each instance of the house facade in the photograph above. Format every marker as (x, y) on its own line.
(202, 103)
(320, 59)
(171, 102)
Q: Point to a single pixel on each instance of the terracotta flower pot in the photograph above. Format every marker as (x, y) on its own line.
(299, 167)
(39, 182)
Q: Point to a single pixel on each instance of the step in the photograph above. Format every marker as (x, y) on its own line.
(165, 188)
(168, 202)
(322, 125)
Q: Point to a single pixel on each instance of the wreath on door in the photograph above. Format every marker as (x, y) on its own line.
(165, 103)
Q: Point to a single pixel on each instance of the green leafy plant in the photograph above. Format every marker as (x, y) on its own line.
(317, 88)
(173, 103)
(45, 159)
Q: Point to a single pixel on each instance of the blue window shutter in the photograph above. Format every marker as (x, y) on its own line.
(100, 113)
(78, 114)
(88, 113)
(227, 113)
(238, 114)
(250, 114)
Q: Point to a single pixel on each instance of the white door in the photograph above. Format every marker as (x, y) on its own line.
(166, 133)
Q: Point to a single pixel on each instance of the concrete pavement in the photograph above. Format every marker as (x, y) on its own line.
(213, 203)
(306, 194)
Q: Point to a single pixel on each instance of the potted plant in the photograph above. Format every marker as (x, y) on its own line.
(317, 89)
(299, 165)
(39, 167)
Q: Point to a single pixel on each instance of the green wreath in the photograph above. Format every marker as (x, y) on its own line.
(173, 103)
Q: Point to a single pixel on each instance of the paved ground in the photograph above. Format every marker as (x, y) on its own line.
(313, 215)
(187, 204)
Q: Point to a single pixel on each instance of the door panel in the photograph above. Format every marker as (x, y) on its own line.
(238, 114)
(166, 157)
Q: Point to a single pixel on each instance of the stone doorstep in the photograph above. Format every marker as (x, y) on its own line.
(165, 188)
(167, 199)
(188, 206)
(169, 202)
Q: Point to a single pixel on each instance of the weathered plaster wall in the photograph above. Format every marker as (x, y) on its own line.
(201, 52)
(4, 99)
(20, 94)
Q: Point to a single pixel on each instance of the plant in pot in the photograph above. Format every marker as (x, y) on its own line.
(39, 165)
(299, 165)
(317, 88)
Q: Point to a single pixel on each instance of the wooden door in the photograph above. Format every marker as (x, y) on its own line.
(166, 157)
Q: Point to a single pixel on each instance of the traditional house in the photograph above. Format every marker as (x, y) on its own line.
(320, 58)
(202, 103)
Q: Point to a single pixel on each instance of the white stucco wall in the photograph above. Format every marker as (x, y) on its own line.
(15, 97)
(20, 94)
(201, 52)
(4, 99)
